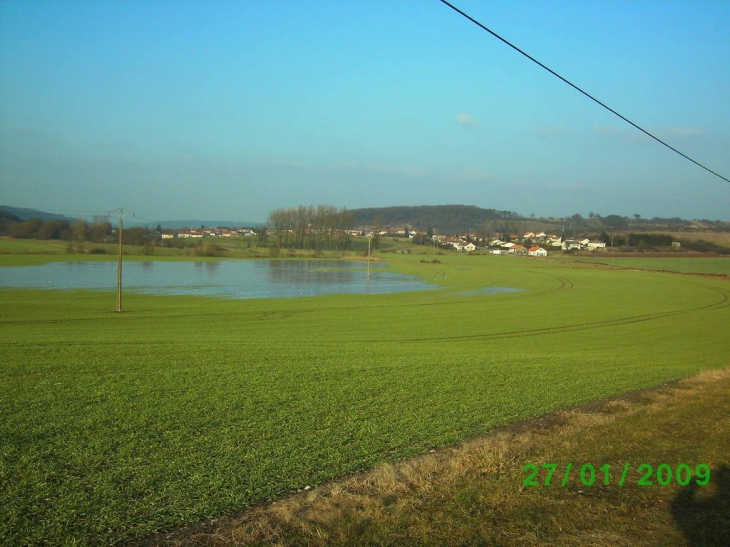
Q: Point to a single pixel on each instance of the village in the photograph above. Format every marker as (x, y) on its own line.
(530, 243)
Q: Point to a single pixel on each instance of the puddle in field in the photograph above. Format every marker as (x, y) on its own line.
(226, 279)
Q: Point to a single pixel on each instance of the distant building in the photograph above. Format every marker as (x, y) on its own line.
(572, 244)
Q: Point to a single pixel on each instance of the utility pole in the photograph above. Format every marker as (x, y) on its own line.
(121, 213)
(370, 238)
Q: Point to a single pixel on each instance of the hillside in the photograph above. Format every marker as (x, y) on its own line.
(26, 214)
(441, 218)
(22, 214)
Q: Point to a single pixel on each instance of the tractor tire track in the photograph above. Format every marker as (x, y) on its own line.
(722, 303)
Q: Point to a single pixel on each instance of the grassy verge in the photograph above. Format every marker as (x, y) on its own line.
(474, 494)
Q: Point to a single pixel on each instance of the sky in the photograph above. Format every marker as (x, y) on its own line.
(229, 109)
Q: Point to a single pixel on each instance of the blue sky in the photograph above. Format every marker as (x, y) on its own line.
(229, 109)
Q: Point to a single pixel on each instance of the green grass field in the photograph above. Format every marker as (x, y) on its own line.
(30, 252)
(115, 426)
(475, 492)
(714, 265)
(19, 247)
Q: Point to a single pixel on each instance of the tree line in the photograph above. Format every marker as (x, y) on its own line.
(35, 228)
(76, 231)
(317, 227)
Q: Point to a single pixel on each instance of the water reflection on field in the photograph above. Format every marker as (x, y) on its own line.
(228, 279)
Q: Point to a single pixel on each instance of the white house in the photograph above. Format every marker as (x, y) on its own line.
(569, 244)
(460, 246)
(537, 251)
(593, 245)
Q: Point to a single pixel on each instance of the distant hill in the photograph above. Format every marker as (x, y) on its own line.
(23, 214)
(442, 218)
(27, 214)
(7, 216)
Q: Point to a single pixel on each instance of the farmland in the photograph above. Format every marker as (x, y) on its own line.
(714, 265)
(115, 426)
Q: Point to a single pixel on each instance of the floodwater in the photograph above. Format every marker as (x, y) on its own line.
(226, 279)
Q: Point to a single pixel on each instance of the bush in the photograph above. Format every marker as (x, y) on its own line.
(650, 240)
(703, 246)
(209, 249)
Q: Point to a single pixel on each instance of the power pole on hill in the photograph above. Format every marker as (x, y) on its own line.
(121, 213)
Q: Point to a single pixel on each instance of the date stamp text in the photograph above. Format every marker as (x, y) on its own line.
(587, 474)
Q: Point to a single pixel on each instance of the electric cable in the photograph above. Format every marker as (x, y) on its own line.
(591, 97)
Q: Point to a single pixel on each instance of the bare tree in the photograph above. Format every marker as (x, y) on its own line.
(311, 227)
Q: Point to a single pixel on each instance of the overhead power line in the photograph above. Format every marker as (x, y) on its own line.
(591, 97)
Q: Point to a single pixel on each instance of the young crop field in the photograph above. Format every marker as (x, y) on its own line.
(714, 265)
(19, 247)
(115, 426)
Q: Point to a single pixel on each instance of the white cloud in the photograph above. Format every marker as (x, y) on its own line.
(570, 186)
(550, 131)
(612, 130)
(350, 166)
(633, 133)
(472, 175)
(627, 133)
(685, 131)
(407, 170)
(465, 119)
